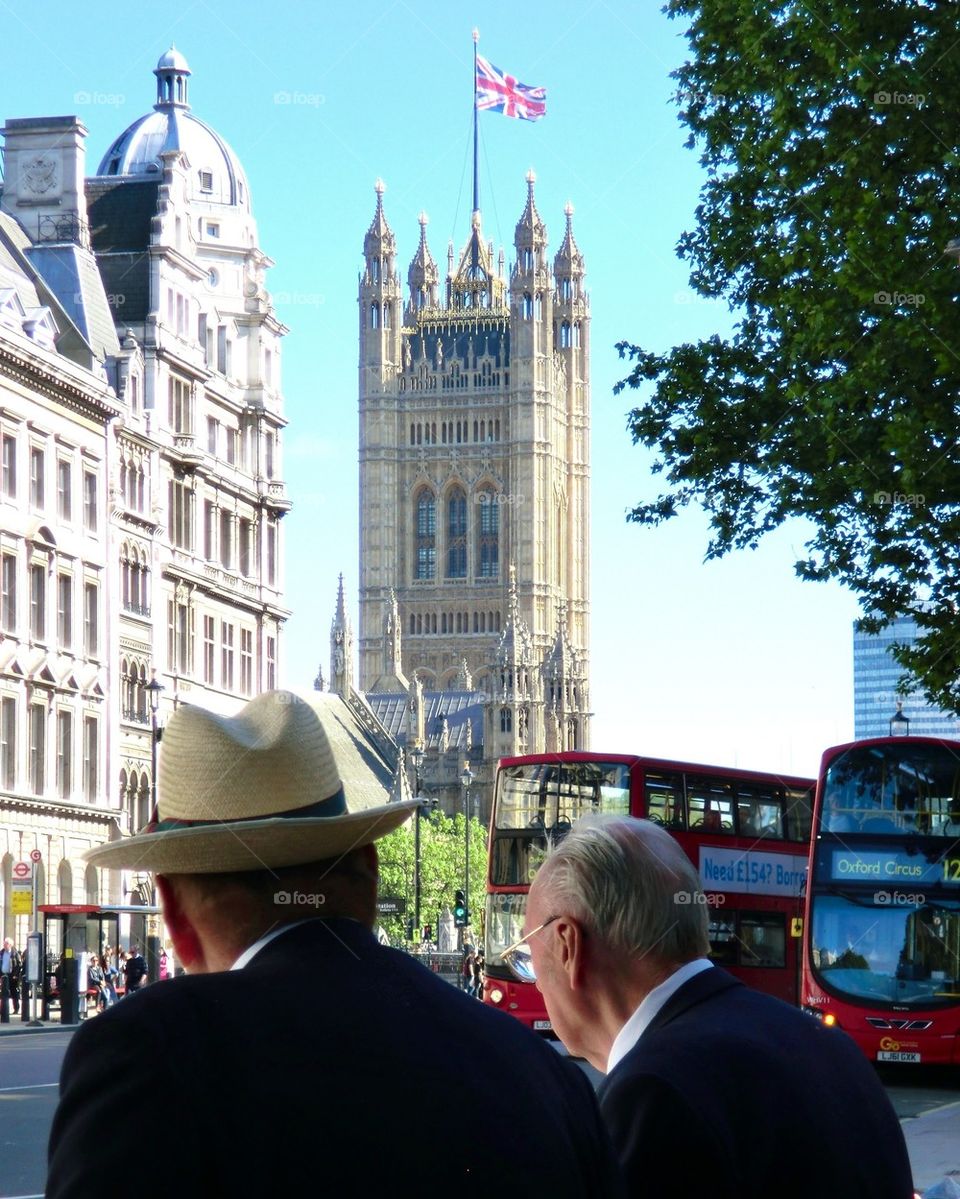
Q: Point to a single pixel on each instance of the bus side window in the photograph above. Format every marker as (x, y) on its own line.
(663, 794)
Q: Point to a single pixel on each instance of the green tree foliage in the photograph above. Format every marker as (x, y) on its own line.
(442, 869)
(828, 133)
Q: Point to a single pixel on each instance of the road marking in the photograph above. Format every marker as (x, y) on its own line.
(36, 1086)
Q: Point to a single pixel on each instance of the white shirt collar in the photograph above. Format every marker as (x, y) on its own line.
(254, 949)
(652, 1002)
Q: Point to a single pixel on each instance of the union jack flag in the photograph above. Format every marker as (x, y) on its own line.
(503, 93)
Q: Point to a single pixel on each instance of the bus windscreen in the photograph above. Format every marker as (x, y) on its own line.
(552, 795)
(893, 789)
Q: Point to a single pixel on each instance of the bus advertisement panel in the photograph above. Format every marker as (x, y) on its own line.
(882, 939)
(747, 832)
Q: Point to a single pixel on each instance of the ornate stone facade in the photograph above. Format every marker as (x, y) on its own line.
(474, 476)
(149, 278)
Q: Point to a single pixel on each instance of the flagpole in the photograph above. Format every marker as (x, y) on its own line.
(476, 176)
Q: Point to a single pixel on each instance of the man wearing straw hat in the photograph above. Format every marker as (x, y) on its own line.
(297, 1054)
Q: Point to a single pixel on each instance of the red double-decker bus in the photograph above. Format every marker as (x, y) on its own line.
(882, 931)
(747, 832)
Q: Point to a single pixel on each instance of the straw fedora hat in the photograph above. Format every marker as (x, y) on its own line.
(254, 791)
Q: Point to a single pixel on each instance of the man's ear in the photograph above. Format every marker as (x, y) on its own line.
(570, 948)
(186, 942)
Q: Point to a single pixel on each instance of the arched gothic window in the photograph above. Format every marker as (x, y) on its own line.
(457, 534)
(426, 538)
(143, 801)
(488, 534)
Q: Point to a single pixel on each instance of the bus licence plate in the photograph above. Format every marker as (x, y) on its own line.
(901, 1056)
(542, 1025)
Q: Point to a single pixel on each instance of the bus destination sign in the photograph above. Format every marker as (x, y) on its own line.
(867, 866)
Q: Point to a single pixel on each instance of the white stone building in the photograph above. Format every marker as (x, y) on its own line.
(160, 280)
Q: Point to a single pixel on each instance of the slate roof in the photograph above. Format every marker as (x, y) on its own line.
(72, 274)
(119, 212)
(18, 270)
(461, 708)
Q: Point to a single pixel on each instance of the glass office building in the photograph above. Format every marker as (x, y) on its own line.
(875, 677)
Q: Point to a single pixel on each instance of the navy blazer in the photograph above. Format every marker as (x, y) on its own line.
(734, 1095)
(329, 1064)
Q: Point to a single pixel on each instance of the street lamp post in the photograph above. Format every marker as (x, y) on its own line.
(416, 760)
(466, 778)
(899, 724)
(152, 938)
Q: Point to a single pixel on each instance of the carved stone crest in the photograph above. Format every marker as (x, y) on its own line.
(39, 174)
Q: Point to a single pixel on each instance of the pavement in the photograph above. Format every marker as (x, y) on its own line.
(933, 1142)
(933, 1137)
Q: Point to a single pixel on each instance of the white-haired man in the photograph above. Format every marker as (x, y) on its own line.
(298, 1056)
(712, 1088)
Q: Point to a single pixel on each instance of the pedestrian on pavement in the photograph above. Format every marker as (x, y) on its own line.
(10, 971)
(16, 977)
(293, 1028)
(110, 976)
(134, 970)
(96, 981)
(477, 990)
(466, 970)
(709, 1083)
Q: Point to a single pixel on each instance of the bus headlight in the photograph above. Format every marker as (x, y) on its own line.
(496, 995)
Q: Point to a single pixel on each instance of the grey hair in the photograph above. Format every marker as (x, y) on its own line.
(631, 886)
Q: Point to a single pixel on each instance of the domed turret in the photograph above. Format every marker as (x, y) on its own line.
(172, 72)
(215, 173)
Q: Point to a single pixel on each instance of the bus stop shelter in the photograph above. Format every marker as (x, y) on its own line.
(72, 932)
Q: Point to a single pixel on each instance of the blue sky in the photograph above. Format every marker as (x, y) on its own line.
(729, 662)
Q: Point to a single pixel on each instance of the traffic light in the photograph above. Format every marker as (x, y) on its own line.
(427, 930)
(459, 910)
(409, 928)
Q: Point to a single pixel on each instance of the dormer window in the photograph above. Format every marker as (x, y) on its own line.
(206, 181)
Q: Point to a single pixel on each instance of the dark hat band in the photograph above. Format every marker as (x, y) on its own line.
(333, 805)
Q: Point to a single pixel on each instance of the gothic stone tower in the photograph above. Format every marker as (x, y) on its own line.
(474, 457)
